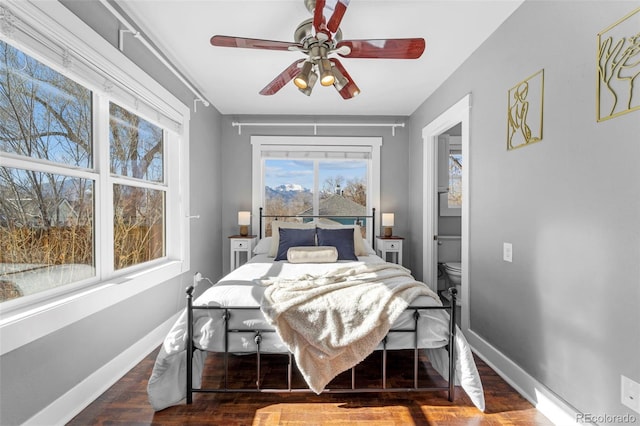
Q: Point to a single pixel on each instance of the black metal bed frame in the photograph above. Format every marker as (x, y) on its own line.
(226, 312)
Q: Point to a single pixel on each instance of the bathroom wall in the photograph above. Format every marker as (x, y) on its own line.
(565, 311)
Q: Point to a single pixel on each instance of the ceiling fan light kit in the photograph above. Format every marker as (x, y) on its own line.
(318, 38)
(302, 80)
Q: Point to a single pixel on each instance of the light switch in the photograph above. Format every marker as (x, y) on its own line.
(507, 252)
(630, 392)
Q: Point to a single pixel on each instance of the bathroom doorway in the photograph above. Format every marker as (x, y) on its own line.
(449, 211)
(450, 129)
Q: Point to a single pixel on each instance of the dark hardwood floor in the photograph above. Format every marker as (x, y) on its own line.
(125, 403)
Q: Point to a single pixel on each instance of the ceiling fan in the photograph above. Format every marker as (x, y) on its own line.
(319, 37)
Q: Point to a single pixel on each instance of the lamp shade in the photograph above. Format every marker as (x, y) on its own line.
(387, 219)
(244, 218)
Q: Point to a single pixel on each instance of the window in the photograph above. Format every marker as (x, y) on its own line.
(451, 200)
(454, 196)
(47, 204)
(317, 176)
(136, 151)
(92, 168)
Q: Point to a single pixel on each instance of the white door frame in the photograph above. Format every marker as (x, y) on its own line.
(458, 113)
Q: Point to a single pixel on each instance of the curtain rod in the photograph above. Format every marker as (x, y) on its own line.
(131, 29)
(316, 125)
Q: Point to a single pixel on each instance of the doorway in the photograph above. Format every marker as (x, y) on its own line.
(456, 117)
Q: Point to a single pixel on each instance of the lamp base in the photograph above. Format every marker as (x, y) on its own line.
(387, 231)
(244, 230)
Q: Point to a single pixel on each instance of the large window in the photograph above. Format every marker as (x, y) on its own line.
(84, 189)
(47, 204)
(315, 187)
(136, 151)
(317, 176)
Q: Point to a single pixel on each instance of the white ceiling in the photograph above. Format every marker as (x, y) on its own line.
(231, 78)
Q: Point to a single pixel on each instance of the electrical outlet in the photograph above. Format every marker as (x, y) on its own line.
(507, 252)
(630, 393)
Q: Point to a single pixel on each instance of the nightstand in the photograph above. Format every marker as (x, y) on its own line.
(391, 244)
(240, 244)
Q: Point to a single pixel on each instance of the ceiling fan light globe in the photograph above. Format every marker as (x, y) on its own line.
(326, 76)
(327, 80)
(302, 79)
(300, 82)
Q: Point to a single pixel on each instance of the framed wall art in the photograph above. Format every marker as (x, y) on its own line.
(524, 111)
(618, 68)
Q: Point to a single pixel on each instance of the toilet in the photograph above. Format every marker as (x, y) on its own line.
(454, 272)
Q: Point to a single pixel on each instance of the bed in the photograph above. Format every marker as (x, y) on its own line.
(317, 292)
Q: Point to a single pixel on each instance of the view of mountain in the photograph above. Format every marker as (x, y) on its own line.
(290, 187)
(285, 191)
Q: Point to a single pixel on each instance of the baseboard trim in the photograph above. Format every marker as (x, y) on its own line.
(548, 403)
(65, 408)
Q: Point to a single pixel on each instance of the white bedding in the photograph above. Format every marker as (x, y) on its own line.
(240, 289)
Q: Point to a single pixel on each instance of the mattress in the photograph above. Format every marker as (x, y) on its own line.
(241, 289)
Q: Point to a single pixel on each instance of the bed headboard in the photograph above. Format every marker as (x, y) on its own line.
(356, 219)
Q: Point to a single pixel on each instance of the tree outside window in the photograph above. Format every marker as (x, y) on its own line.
(48, 181)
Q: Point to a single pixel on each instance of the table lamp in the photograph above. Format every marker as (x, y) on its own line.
(387, 223)
(244, 220)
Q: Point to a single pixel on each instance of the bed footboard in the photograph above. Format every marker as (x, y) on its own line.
(225, 313)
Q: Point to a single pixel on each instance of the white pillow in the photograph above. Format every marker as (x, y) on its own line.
(263, 246)
(367, 247)
(312, 254)
(358, 242)
(275, 235)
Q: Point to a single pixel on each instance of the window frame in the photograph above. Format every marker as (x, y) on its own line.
(40, 29)
(453, 145)
(371, 145)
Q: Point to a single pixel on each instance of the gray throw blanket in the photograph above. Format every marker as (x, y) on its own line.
(332, 322)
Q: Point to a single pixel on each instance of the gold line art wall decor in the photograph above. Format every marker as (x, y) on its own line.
(618, 68)
(524, 111)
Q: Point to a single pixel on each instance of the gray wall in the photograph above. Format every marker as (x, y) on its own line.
(236, 167)
(566, 309)
(37, 374)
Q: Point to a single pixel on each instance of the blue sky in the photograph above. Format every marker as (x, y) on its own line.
(279, 172)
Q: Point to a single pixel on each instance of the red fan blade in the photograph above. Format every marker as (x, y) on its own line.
(338, 13)
(399, 48)
(351, 89)
(282, 79)
(327, 16)
(253, 43)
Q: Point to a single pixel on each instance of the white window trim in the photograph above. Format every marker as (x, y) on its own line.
(306, 143)
(84, 53)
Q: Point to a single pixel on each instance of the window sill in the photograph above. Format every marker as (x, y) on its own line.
(23, 326)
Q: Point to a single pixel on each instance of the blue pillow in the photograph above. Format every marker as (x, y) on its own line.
(290, 237)
(341, 239)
